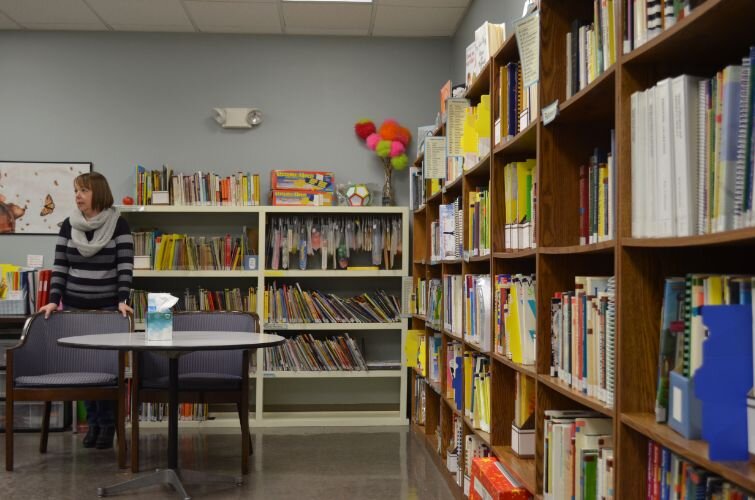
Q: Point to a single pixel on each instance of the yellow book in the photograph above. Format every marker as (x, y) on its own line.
(158, 262)
(468, 370)
(611, 33)
(513, 329)
(524, 175)
(470, 139)
(714, 291)
(509, 179)
(266, 312)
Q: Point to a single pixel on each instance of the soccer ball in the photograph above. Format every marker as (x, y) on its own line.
(358, 195)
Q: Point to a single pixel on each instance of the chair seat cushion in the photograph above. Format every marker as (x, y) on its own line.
(81, 379)
(197, 382)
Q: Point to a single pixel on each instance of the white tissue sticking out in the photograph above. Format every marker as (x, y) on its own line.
(159, 316)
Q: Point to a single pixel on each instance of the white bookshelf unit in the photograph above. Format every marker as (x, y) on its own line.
(389, 337)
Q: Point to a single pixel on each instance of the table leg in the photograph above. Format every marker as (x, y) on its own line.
(173, 413)
(172, 475)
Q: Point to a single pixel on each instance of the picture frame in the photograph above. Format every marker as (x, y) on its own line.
(36, 197)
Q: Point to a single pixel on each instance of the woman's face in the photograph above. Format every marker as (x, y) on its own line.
(84, 200)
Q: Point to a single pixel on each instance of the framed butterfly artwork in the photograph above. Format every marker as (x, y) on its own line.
(36, 197)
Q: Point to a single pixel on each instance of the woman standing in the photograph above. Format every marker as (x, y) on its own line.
(94, 261)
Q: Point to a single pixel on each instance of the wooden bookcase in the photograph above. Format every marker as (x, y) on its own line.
(717, 33)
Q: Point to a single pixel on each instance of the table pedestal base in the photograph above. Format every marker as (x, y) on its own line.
(171, 477)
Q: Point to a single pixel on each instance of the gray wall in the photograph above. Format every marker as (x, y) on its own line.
(495, 11)
(121, 99)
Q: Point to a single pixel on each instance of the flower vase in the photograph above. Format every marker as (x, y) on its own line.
(388, 186)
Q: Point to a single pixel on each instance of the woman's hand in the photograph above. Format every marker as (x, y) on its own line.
(48, 309)
(124, 309)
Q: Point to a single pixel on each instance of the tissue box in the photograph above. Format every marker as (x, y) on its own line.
(522, 441)
(159, 324)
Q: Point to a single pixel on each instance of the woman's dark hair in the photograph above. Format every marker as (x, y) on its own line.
(102, 197)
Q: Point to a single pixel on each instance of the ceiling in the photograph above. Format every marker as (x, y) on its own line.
(418, 18)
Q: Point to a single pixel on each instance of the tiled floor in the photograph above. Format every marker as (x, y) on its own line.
(307, 463)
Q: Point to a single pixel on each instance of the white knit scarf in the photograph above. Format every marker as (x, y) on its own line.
(103, 225)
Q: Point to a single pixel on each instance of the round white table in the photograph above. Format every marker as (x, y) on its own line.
(181, 343)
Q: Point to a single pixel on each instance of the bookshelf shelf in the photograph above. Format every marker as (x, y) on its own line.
(522, 468)
(333, 326)
(594, 103)
(452, 335)
(420, 210)
(485, 436)
(529, 253)
(334, 374)
(481, 85)
(419, 317)
(745, 236)
(481, 169)
(454, 186)
(478, 258)
(434, 386)
(525, 142)
(476, 347)
(528, 370)
(508, 51)
(741, 473)
(145, 273)
(420, 158)
(575, 395)
(434, 328)
(332, 273)
(699, 35)
(602, 247)
(452, 262)
(188, 209)
(420, 262)
(451, 405)
(435, 197)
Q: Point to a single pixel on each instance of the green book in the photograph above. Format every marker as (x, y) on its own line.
(590, 475)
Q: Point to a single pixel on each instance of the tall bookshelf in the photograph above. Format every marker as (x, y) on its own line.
(715, 34)
(291, 398)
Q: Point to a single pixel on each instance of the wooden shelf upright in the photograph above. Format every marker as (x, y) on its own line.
(716, 33)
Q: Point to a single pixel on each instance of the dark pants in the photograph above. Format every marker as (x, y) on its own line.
(100, 413)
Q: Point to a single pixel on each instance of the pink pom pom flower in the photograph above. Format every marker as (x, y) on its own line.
(372, 141)
(397, 149)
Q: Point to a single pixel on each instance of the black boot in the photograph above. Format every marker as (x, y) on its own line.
(105, 439)
(91, 438)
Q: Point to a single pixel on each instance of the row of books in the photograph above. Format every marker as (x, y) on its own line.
(591, 46)
(419, 412)
(517, 104)
(434, 303)
(583, 336)
(520, 202)
(477, 310)
(228, 299)
(646, 19)
(578, 455)
(417, 186)
(488, 38)
(418, 303)
(597, 197)
(477, 381)
(515, 317)
(306, 353)
(23, 290)
(454, 457)
(191, 253)
(475, 137)
(158, 412)
(474, 447)
(453, 303)
(478, 232)
(671, 477)
(290, 304)
(692, 160)
(448, 233)
(239, 189)
(330, 241)
(682, 332)
(454, 372)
